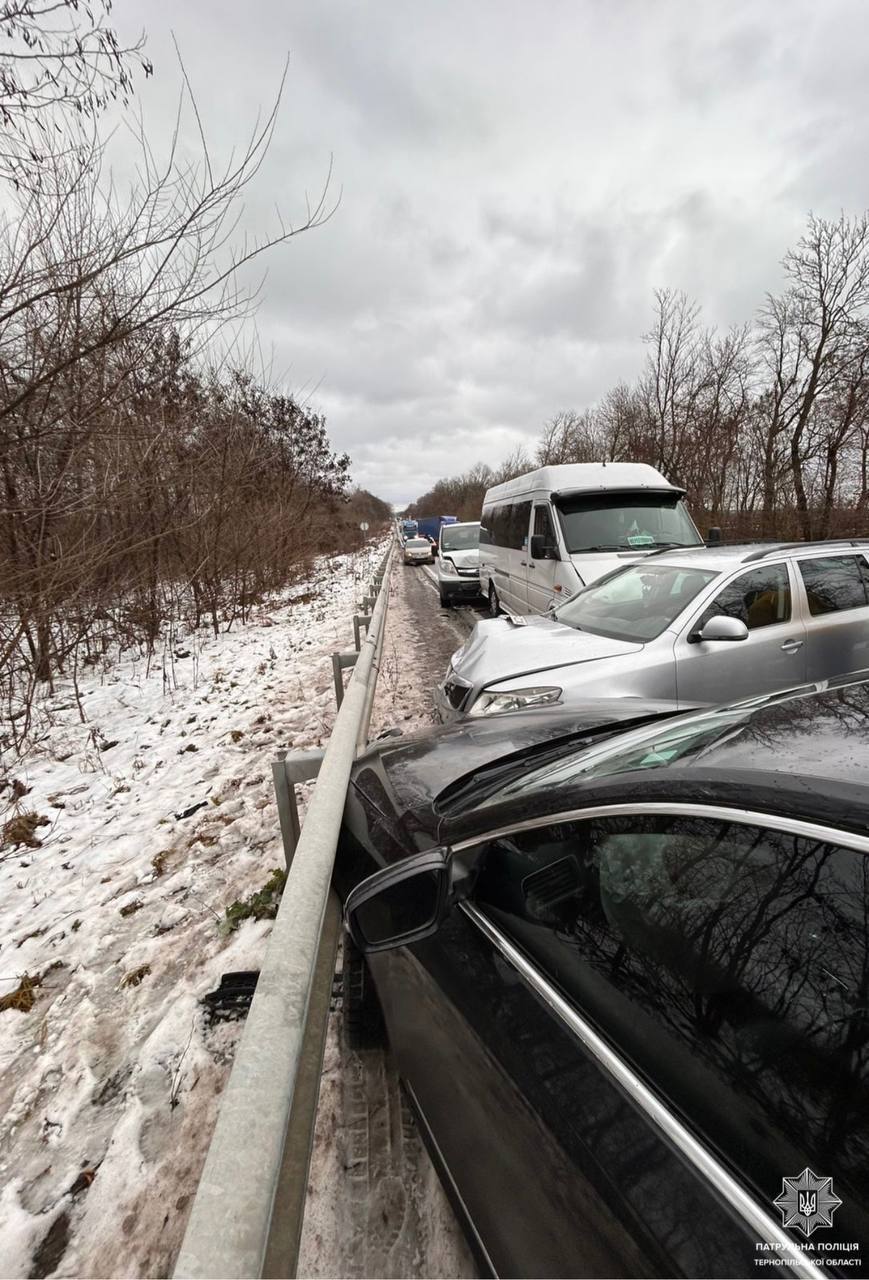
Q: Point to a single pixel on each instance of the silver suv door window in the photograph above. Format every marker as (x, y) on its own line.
(728, 962)
(759, 598)
(835, 583)
(837, 623)
(773, 656)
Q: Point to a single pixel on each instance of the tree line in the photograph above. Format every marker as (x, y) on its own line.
(144, 480)
(766, 425)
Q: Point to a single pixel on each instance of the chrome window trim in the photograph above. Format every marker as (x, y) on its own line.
(681, 809)
(702, 1160)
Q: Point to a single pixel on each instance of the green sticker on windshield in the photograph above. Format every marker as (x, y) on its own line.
(640, 540)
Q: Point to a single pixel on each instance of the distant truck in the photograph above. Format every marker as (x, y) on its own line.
(409, 529)
(430, 526)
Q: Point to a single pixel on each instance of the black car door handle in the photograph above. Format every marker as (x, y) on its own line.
(531, 566)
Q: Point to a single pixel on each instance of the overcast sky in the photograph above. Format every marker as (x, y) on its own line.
(515, 181)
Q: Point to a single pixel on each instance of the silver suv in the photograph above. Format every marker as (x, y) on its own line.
(695, 626)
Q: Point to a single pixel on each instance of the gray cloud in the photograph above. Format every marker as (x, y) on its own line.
(516, 180)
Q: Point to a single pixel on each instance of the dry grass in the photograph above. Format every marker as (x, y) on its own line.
(23, 997)
(21, 829)
(135, 976)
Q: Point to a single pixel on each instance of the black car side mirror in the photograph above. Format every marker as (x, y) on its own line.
(400, 904)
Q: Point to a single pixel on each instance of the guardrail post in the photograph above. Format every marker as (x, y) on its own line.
(339, 662)
(359, 620)
(289, 768)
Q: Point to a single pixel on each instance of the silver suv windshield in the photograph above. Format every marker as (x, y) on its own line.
(463, 537)
(618, 522)
(636, 602)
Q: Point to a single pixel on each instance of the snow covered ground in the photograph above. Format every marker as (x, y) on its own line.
(151, 818)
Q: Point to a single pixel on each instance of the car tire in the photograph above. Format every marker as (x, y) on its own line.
(494, 602)
(364, 1027)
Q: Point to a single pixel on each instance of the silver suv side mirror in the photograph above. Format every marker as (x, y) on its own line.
(722, 628)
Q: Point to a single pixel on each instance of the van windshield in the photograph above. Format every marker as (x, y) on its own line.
(625, 521)
(460, 537)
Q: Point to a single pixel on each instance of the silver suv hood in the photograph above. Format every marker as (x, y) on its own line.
(499, 649)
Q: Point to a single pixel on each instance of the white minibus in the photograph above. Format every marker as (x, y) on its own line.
(546, 534)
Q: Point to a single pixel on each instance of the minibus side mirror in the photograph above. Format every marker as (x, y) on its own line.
(541, 549)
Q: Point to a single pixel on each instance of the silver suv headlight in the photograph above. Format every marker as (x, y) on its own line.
(489, 704)
(448, 569)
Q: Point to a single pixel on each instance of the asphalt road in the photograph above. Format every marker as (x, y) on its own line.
(374, 1204)
(421, 593)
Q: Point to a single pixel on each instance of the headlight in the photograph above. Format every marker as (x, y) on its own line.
(448, 569)
(489, 704)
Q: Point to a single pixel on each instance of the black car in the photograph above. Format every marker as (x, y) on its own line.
(624, 972)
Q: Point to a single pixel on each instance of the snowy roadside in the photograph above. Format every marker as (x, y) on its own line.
(159, 813)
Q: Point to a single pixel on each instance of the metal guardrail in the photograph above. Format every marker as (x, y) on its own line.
(247, 1213)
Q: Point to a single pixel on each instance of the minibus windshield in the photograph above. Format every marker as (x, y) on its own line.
(625, 521)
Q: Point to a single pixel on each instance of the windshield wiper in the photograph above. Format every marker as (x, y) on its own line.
(474, 788)
(626, 546)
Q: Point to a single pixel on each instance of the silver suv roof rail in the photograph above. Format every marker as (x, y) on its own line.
(762, 552)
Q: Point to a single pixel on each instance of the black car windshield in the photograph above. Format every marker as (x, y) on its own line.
(647, 748)
(635, 603)
(621, 521)
(461, 537)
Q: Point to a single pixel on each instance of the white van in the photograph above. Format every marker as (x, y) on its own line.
(458, 562)
(546, 534)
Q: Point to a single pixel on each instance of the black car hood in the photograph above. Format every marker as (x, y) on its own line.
(401, 777)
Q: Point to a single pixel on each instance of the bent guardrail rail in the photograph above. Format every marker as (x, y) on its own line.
(246, 1216)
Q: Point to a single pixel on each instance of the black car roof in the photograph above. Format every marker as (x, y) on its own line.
(822, 734)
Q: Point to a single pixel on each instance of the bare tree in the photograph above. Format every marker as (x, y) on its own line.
(61, 63)
(571, 437)
(813, 338)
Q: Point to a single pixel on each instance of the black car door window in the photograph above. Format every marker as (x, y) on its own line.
(834, 583)
(758, 598)
(728, 963)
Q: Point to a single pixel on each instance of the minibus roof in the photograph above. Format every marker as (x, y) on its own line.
(584, 477)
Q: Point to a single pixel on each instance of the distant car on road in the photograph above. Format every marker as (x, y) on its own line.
(624, 975)
(417, 551)
(459, 562)
(693, 625)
